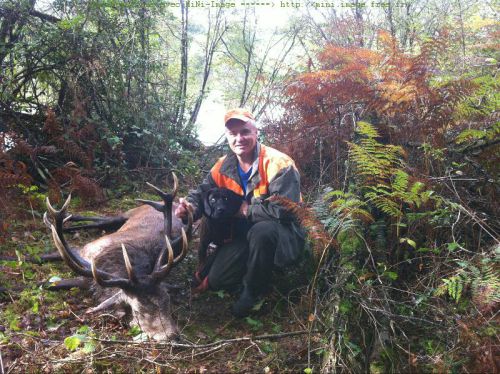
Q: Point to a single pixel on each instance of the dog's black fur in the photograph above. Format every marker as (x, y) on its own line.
(219, 207)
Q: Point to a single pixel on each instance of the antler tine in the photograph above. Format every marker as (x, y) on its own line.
(165, 208)
(161, 272)
(66, 203)
(128, 265)
(176, 185)
(46, 221)
(158, 190)
(188, 230)
(184, 248)
(61, 248)
(161, 193)
(155, 204)
(170, 261)
(111, 282)
(95, 273)
(159, 260)
(74, 261)
(52, 211)
(78, 264)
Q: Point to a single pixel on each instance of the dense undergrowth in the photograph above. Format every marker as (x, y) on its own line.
(408, 283)
(414, 284)
(405, 155)
(49, 331)
(399, 156)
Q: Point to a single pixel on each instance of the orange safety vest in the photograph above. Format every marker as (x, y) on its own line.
(271, 161)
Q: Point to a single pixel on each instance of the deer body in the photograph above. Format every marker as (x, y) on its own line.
(130, 266)
(143, 236)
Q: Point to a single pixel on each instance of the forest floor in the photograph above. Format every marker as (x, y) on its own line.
(49, 331)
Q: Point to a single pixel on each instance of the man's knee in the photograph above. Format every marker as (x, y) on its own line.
(228, 266)
(228, 281)
(265, 232)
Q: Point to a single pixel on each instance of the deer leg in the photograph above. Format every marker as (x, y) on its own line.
(63, 284)
(108, 303)
(66, 284)
(48, 257)
(102, 223)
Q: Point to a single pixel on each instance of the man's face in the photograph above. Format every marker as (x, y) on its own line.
(241, 138)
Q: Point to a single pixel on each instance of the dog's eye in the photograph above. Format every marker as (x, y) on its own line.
(225, 198)
(213, 200)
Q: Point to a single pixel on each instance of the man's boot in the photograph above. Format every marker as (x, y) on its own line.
(245, 303)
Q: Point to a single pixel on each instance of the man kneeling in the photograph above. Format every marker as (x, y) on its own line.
(263, 234)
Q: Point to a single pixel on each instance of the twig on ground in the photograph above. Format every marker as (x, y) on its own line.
(258, 348)
(162, 364)
(77, 317)
(12, 366)
(211, 350)
(1, 363)
(209, 345)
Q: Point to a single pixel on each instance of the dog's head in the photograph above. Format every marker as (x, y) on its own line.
(221, 203)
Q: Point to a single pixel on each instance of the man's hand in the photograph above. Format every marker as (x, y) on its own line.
(183, 208)
(242, 213)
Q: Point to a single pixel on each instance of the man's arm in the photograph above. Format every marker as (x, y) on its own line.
(286, 183)
(194, 199)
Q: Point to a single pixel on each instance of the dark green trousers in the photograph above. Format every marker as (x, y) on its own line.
(249, 259)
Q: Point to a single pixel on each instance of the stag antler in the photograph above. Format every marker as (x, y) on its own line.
(166, 207)
(103, 278)
(73, 259)
(83, 267)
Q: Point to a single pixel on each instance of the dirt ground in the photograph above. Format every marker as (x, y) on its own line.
(48, 331)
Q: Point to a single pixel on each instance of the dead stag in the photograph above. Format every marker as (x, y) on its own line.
(135, 259)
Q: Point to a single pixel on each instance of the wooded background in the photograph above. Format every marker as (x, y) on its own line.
(390, 112)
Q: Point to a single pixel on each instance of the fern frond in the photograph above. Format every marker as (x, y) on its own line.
(400, 183)
(454, 287)
(482, 280)
(320, 239)
(366, 129)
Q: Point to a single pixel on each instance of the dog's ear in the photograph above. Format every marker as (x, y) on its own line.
(207, 209)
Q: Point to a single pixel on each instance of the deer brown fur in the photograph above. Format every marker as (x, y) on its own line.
(130, 266)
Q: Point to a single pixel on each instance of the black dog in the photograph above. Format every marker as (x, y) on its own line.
(216, 228)
(219, 207)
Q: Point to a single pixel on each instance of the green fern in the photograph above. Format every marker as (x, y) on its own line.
(470, 134)
(400, 183)
(455, 287)
(380, 167)
(384, 183)
(366, 129)
(373, 160)
(344, 211)
(483, 280)
(488, 133)
(485, 285)
(484, 101)
(382, 199)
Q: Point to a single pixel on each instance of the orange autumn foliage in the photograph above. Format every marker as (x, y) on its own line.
(395, 91)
